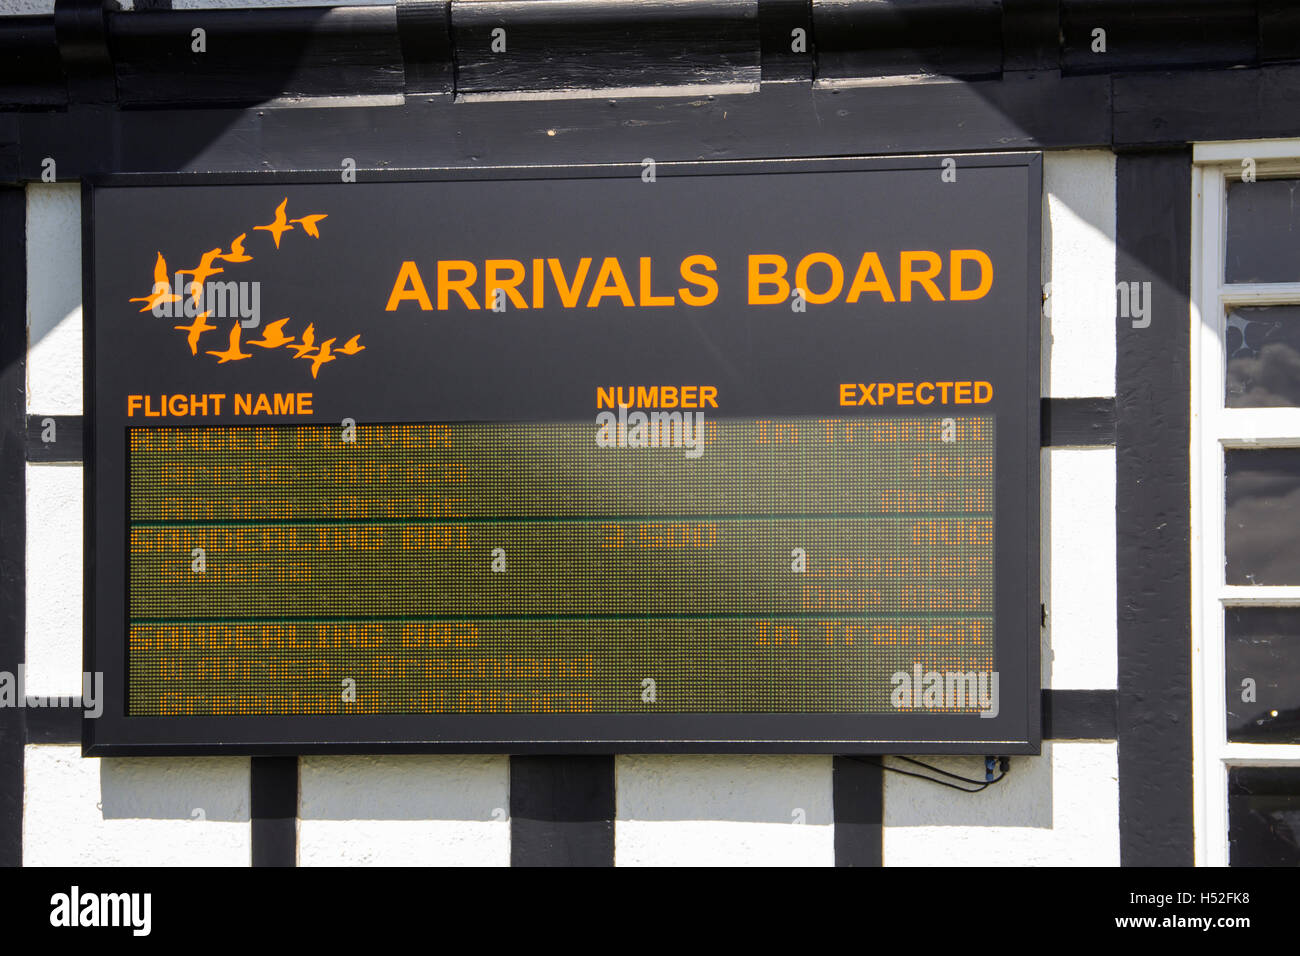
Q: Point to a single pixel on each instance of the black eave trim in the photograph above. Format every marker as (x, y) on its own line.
(563, 44)
(1153, 520)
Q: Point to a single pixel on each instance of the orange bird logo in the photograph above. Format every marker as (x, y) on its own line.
(201, 274)
(232, 354)
(236, 253)
(198, 328)
(352, 347)
(279, 225)
(274, 336)
(162, 287)
(309, 224)
(322, 356)
(308, 342)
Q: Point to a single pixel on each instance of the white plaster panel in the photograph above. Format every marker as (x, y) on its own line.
(695, 810)
(1059, 809)
(136, 811)
(1079, 261)
(1078, 568)
(26, 7)
(54, 362)
(404, 810)
(54, 580)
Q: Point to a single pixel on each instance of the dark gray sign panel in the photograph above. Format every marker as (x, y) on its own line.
(710, 457)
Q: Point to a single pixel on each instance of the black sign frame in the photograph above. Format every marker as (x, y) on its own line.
(1017, 730)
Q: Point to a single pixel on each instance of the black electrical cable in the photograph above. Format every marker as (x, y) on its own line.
(977, 785)
(939, 770)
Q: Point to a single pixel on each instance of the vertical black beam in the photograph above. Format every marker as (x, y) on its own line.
(13, 504)
(81, 30)
(782, 57)
(273, 782)
(424, 31)
(1153, 520)
(858, 794)
(562, 811)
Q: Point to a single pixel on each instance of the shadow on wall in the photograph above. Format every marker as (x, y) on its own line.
(1078, 242)
(743, 789)
(405, 787)
(1023, 799)
(739, 789)
(53, 250)
(408, 787)
(476, 788)
(189, 788)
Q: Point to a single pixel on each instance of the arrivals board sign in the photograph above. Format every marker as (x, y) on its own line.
(707, 457)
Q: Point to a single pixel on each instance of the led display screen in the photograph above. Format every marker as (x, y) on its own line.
(741, 457)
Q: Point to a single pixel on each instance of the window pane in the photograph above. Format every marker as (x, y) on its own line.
(1264, 816)
(1263, 346)
(1263, 650)
(1263, 231)
(1263, 516)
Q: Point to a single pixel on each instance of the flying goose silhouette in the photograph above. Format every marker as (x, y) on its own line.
(231, 354)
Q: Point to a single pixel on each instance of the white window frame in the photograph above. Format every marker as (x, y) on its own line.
(1214, 428)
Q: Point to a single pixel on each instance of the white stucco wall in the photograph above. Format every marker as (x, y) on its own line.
(723, 811)
(26, 7)
(54, 382)
(1078, 484)
(1061, 808)
(54, 387)
(404, 811)
(140, 811)
(1078, 568)
(54, 588)
(1079, 262)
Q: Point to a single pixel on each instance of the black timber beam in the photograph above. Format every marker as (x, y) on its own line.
(81, 31)
(88, 51)
(13, 509)
(782, 119)
(1153, 512)
(135, 96)
(1115, 36)
(521, 45)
